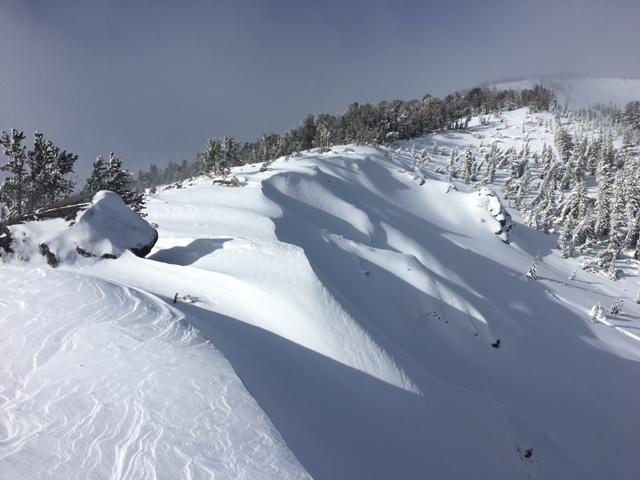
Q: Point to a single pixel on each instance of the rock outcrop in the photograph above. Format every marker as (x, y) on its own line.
(101, 227)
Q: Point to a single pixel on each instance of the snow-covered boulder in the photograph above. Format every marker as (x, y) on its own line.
(488, 199)
(104, 228)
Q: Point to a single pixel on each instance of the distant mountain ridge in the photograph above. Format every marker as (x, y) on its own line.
(579, 91)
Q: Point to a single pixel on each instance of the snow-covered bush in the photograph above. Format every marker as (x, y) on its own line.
(616, 307)
(596, 314)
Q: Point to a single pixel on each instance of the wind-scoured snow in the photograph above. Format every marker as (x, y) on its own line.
(104, 381)
(352, 309)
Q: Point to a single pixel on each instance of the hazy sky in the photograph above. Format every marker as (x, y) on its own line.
(152, 79)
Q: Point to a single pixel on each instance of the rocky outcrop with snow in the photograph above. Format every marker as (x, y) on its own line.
(488, 199)
(103, 228)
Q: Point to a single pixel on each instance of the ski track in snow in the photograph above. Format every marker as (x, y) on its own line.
(102, 381)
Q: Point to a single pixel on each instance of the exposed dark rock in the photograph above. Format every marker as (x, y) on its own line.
(83, 253)
(144, 251)
(496, 344)
(5, 239)
(44, 250)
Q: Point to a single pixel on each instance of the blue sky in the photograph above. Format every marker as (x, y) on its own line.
(152, 79)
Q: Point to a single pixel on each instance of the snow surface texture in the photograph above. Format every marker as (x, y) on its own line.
(107, 227)
(580, 92)
(104, 381)
(360, 303)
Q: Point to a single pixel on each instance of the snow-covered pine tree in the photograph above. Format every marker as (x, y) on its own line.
(112, 176)
(13, 190)
(490, 162)
(565, 242)
(230, 154)
(414, 157)
(116, 177)
(452, 167)
(583, 232)
(469, 165)
(603, 196)
(608, 261)
(617, 218)
(596, 314)
(523, 187)
(59, 166)
(98, 178)
(563, 143)
(576, 203)
(616, 308)
(424, 158)
(325, 137)
(546, 160)
(532, 273)
(37, 160)
(212, 156)
(632, 202)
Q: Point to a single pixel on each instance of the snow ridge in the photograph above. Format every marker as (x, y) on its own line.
(362, 320)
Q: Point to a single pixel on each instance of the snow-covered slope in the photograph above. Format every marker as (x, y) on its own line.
(579, 92)
(352, 310)
(104, 381)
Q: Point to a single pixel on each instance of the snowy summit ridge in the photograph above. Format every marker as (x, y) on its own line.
(580, 91)
(344, 314)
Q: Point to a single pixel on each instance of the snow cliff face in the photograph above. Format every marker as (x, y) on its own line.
(580, 92)
(340, 316)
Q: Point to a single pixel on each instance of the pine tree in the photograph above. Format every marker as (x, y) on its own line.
(414, 157)
(112, 176)
(490, 162)
(13, 190)
(632, 201)
(38, 170)
(565, 242)
(523, 188)
(596, 314)
(532, 273)
(616, 308)
(230, 154)
(576, 203)
(603, 198)
(212, 156)
(116, 178)
(607, 260)
(564, 143)
(617, 218)
(49, 171)
(469, 166)
(98, 178)
(452, 167)
(325, 137)
(548, 160)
